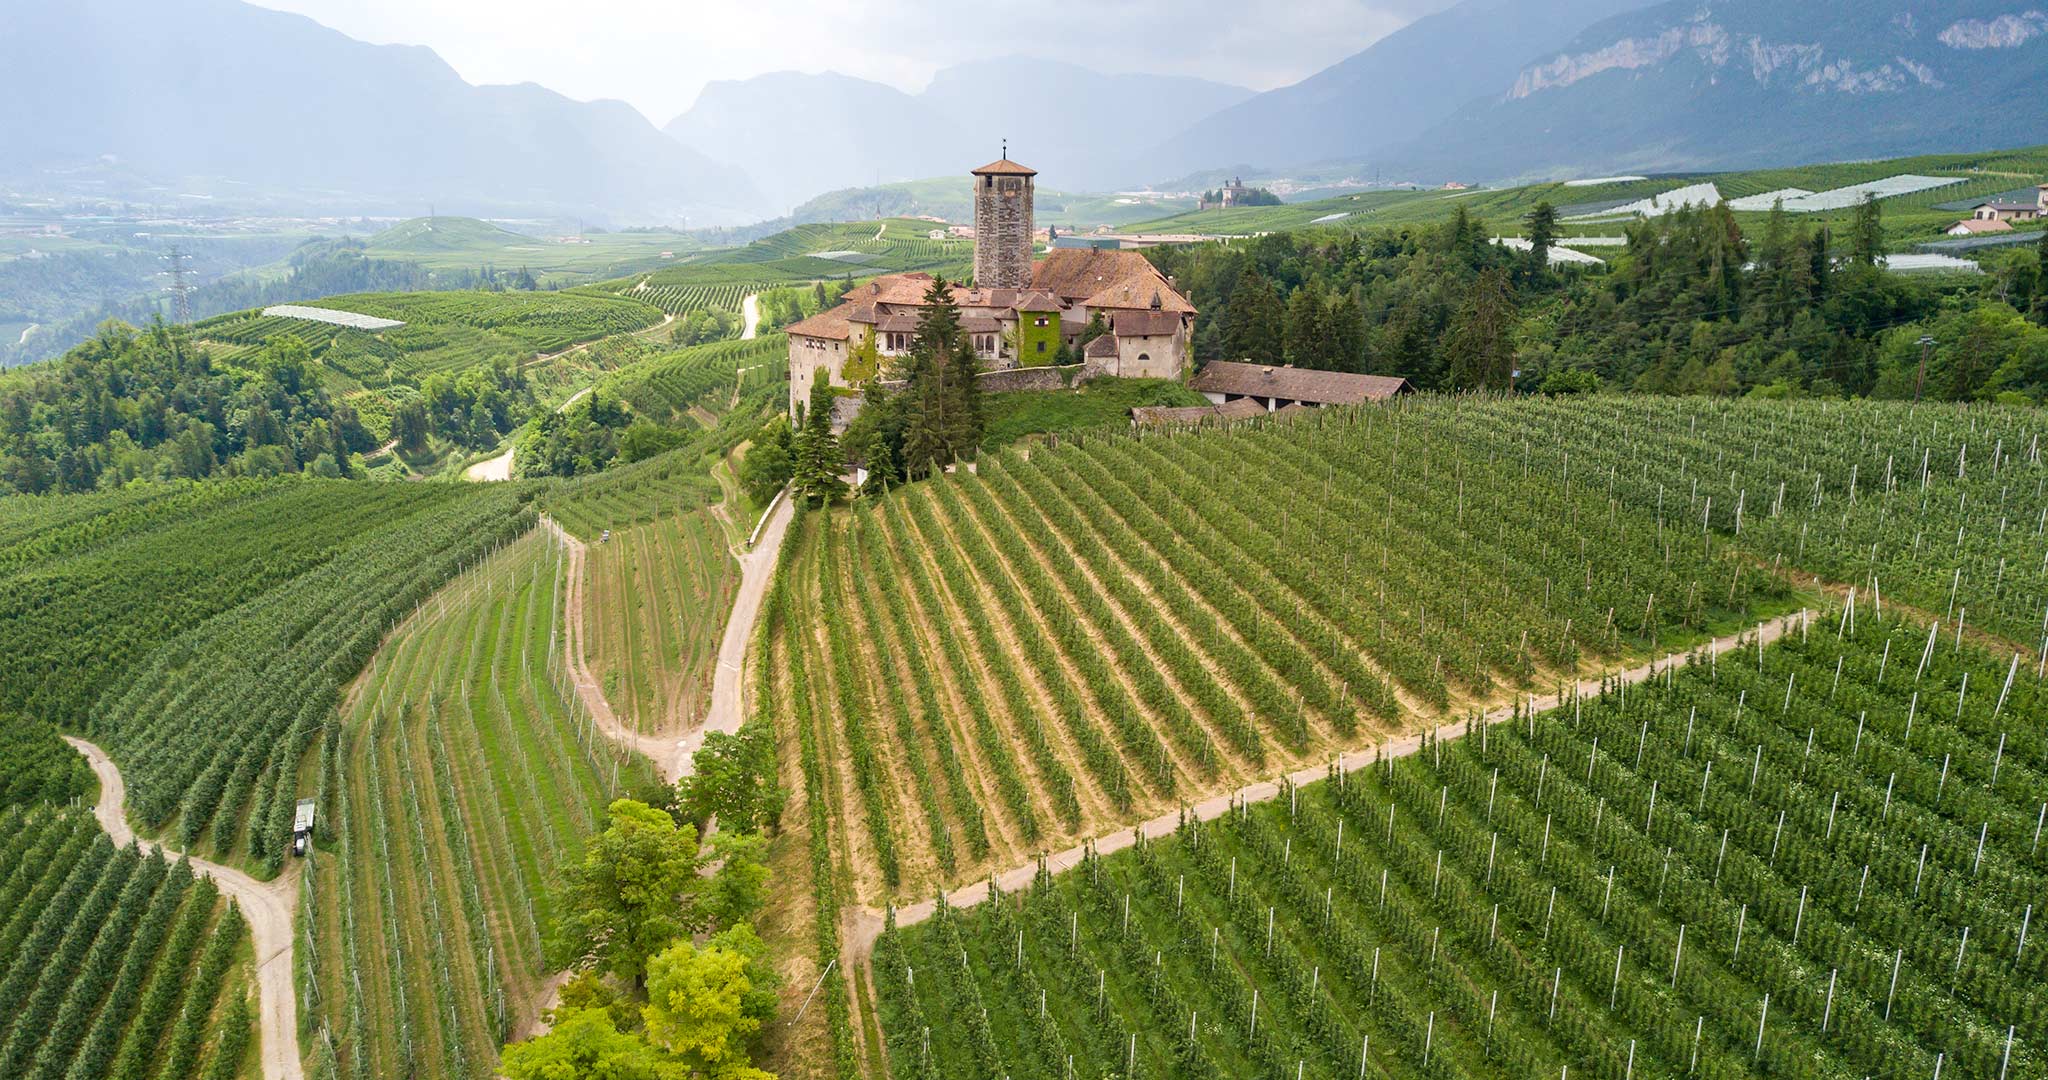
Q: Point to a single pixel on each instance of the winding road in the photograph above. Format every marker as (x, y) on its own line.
(671, 755)
(267, 905)
(864, 925)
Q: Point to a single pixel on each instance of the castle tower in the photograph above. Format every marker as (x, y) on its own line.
(1003, 224)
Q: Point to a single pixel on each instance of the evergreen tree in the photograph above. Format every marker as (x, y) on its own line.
(1866, 233)
(1542, 226)
(1346, 334)
(1253, 320)
(942, 411)
(1480, 347)
(1304, 337)
(818, 459)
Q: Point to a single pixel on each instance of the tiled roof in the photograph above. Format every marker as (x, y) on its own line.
(908, 288)
(1005, 167)
(1102, 347)
(1982, 225)
(897, 324)
(1106, 279)
(1295, 384)
(830, 325)
(1038, 301)
(974, 324)
(1145, 323)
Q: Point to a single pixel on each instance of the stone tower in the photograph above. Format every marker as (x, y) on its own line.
(1003, 224)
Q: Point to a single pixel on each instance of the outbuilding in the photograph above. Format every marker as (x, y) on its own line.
(1274, 387)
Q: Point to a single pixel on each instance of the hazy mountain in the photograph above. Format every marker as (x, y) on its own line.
(223, 97)
(1391, 92)
(800, 135)
(1734, 83)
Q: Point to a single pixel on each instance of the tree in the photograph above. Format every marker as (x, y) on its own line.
(1480, 348)
(585, 1044)
(706, 1004)
(942, 406)
(818, 461)
(1866, 233)
(769, 462)
(1305, 343)
(627, 899)
(409, 425)
(1345, 329)
(738, 891)
(1542, 226)
(733, 780)
(1252, 321)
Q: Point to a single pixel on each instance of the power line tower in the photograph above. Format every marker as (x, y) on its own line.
(179, 288)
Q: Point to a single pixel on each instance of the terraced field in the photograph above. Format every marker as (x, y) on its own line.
(658, 599)
(113, 964)
(1112, 628)
(463, 776)
(1783, 861)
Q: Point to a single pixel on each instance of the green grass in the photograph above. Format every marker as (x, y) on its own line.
(1909, 219)
(1097, 404)
(457, 243)
(463, 778)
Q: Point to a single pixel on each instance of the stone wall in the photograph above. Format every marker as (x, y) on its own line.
(1033, 378)
(1003, 225)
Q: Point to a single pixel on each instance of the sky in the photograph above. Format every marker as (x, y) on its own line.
(657, 54)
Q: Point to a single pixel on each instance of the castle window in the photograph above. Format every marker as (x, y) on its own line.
(1041, 346)
(1043, 321)
(985, 344)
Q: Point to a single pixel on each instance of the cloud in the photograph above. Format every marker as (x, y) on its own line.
(658, 54)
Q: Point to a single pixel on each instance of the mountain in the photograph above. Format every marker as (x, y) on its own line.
(154, 99)
(1698, 84)
(1391, 92)
(799, 135)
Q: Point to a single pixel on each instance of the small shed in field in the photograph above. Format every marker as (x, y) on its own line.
(1275, 387)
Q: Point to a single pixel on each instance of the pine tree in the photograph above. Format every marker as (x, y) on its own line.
(942, 413)
(1866, 233)
(1346, 334)
(1542, 226)
(818, 459)
(1304, 337)
(1252, 322)
(1480, 347)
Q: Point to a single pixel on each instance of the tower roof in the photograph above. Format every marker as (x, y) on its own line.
(1005, 167)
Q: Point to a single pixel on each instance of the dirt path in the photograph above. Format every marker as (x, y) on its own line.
(499, 469)
(671, 756)
(267, 905)
(750, 312)
(869, 924)
(662, 751)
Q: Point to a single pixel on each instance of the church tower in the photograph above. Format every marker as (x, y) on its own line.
(1003, 224)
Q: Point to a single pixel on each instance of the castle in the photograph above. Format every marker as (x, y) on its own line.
(1018, 312)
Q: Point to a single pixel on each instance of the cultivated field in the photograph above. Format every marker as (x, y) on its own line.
(203, 633)
(656, 609)
(464, 775)
(116, 965)
(1112, 628)
(1817, 859)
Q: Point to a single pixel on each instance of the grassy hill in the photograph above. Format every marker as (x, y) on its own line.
(460, 243)
(1909, 219)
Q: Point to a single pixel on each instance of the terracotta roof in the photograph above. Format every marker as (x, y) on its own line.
(985, 298)
(1038, 301)
(1145, 323)
(1982, 225)
(1295, 384)
(1005, 167)
(862, 313)
(1106, 279)
(1104, 346)
(908, 288)
(897, 324)
(833, 325)
(979, 324)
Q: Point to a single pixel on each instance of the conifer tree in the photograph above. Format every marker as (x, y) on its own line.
(1252, 328)
(1305, 342)
(819, 462)
(1480, 348)
(1866, 233)
(1542, 226)
(1346, 333)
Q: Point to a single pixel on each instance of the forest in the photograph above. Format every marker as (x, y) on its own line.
(1691, 305)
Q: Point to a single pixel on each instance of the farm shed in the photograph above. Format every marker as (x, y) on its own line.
(1276, 387)
(1161, 416)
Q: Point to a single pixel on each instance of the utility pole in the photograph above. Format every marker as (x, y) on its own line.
(1920, 381)
(179, 288)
